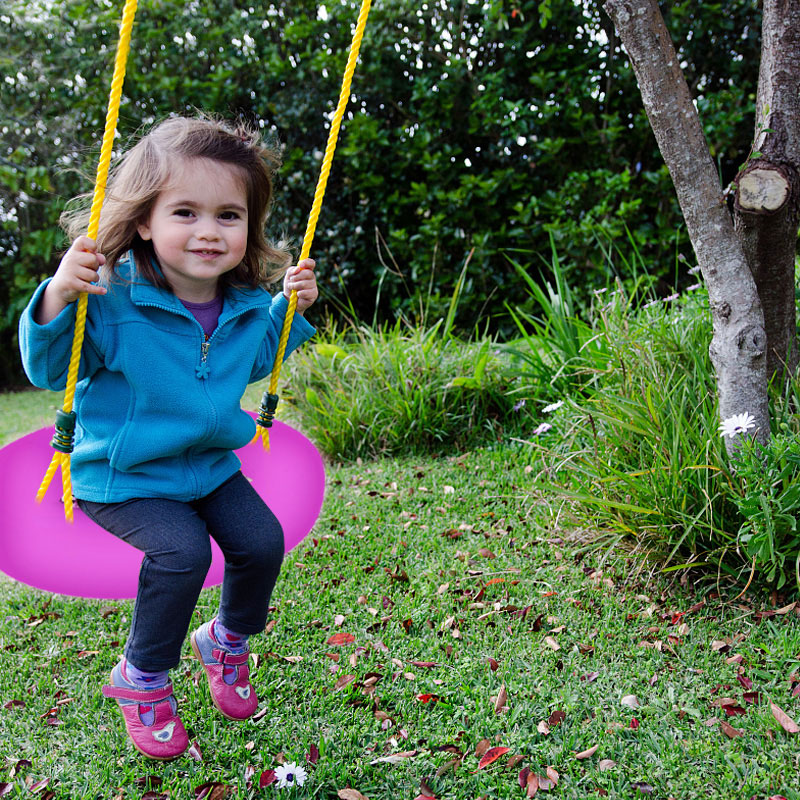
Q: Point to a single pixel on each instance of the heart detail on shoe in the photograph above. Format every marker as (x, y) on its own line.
(243, 692)
(165, 734)
(144, 709)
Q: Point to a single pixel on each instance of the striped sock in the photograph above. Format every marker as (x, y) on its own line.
(144, 679)
(230, 640)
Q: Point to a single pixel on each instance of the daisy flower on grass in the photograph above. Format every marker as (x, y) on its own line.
(552, 407)
(290, 775)
(543, 428)
(738, 423)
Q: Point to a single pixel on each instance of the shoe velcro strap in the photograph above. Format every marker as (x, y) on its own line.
(234, 659)
(138, 695)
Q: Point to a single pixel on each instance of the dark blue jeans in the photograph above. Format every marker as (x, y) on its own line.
(174, 537)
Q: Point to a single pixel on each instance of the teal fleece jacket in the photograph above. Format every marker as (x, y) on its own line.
(158, 408)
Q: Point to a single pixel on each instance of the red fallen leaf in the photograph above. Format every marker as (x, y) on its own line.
(676, 617)
(313, 754)
(796, 691)
(494, 666)
(37, 787)
(212, 791)
(495, 580)
(491, 755)
(14, 704)
(428, 698)
(556, 718)
(267, 778)
(522, 778)
(424, 664)
(634, 723)
(5, 788)
(751, 697)
(734, 710)
(746, 682)
(341, 638)
(786, 722)
(590, 677)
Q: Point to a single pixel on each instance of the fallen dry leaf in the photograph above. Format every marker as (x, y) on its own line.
(395, 758)
(543, 728)
(556, 718)
(606, 764)
(552, 643)
(587, 753)
(786, 722)
(630, 700)
(729, 730)
(500, 702)
(350, 794)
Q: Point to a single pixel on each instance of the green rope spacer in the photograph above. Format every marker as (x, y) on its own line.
(64, 435)
(269, 402)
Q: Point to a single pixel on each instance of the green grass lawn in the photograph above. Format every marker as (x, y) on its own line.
(476, 619)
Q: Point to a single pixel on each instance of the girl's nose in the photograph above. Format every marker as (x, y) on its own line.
(207, 229)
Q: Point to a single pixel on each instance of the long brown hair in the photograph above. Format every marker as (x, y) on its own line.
(146, 169)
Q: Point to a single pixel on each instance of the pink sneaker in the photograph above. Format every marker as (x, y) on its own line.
(151, 717)
(228, 675)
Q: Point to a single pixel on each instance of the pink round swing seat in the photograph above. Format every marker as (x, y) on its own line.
(40, 548)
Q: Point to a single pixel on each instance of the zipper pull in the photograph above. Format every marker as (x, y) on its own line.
(202, 368)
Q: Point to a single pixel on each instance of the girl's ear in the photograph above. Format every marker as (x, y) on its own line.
(144, 231)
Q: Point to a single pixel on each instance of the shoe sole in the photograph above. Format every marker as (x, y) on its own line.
(136, 746)
(196, 651)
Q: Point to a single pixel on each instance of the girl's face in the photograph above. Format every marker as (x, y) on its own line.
(198, 226)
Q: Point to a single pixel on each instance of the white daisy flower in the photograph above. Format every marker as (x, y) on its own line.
(738, 423)
(290, 775)
(543, 428)
(671, 297)
(552, 407)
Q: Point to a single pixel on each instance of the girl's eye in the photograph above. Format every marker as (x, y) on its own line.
(229, 215)
(183, 212)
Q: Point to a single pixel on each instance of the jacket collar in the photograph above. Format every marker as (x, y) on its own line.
(144, 293)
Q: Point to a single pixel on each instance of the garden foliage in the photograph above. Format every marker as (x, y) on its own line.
(473, 127)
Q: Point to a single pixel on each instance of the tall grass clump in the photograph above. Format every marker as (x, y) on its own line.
(635, 445)
(368, 391)
(365, 390)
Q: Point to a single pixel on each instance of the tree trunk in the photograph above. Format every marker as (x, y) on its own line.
(767, 200)
(738, 346)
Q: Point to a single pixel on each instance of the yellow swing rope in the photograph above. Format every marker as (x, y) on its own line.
(65, 419)
(269, 401)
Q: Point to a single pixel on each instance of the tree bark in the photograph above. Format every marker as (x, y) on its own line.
(767, 199)
(738, 346)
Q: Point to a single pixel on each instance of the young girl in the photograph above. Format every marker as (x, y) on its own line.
(178, 324)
